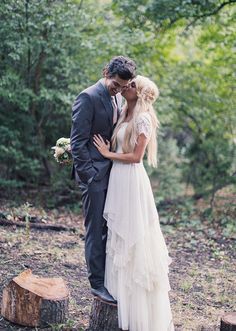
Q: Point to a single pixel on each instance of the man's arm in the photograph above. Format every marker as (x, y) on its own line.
(82, 117)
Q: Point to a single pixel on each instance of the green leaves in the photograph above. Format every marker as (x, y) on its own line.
(166, 13)
(51, 50)
(37, 67)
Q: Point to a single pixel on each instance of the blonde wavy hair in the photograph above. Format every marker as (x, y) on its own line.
(147, 93)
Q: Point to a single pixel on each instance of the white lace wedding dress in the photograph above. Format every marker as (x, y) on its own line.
(136, 254)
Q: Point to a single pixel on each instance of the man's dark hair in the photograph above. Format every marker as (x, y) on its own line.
(122, 66)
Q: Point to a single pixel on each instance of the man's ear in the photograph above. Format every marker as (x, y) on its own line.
(105, 73)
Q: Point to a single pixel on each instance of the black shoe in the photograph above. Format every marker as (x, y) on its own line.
(103, 294)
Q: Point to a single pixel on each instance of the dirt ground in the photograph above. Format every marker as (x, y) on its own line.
(202, 273)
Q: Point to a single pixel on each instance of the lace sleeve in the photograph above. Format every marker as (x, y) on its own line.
(144, 125)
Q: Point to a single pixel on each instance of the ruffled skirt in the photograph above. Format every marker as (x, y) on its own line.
(136, 254)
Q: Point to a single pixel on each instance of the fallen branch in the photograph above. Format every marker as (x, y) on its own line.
(44, 227)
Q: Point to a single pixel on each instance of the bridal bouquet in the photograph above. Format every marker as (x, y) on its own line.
(62, 151)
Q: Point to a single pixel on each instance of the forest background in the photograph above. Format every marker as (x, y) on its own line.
(51, 50)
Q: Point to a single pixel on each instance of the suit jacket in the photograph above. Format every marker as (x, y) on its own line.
(92, 113)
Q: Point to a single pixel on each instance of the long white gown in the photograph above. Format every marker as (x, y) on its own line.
(137, 259)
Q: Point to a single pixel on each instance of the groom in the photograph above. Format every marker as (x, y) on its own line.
(96, 111)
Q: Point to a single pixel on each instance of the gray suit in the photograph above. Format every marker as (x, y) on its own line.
(92, 114)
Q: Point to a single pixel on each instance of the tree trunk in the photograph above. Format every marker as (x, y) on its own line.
(36, 302)
(103, 316)
(228, 322)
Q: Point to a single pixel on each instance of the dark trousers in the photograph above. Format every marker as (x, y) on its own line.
(96, 234)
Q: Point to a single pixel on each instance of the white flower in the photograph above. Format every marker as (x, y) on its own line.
(63, 142)
(58, 151)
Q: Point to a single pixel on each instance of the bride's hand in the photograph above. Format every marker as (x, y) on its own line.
(101, 145)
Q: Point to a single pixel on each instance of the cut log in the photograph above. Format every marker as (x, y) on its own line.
(103, 316)
(228, 322)
(34, 301)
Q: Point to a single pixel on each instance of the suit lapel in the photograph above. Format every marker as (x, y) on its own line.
(106, 100)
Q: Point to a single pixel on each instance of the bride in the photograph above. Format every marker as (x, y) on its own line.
(137, 259)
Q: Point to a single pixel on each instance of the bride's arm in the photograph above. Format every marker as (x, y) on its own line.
(135, 157)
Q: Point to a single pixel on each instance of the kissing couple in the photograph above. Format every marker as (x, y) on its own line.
(125, 251)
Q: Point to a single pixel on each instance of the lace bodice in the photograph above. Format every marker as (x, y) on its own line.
(143, 125)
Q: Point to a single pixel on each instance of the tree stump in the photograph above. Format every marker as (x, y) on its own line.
(228, 322)
(33, 301)
(103, 316)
